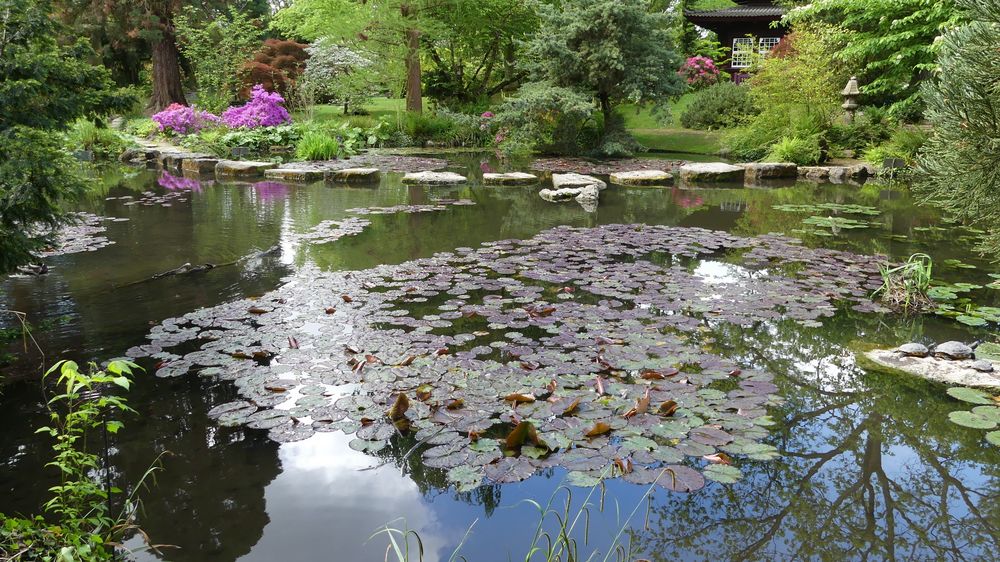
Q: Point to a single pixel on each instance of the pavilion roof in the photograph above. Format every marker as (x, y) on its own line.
(747, 11)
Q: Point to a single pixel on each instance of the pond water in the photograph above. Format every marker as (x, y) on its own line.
(869, 468)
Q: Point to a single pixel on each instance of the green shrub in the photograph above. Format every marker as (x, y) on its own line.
(720, 106)
(426, 127)
(317, 146)
(105, 143)
(871, 128)
(142, 127)
(799, 150)
(904, 144)
(546, 119)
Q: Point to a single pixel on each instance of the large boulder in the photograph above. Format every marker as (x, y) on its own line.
(560, 181)
(770, 171)
(712, 172)
(511, 178)
(433, 178)
(642, 177)
(557, 195)
(814, 173)
(199, 166)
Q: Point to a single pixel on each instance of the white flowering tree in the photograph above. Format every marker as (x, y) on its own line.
(337, 74)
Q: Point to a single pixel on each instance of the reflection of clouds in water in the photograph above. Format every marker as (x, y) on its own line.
(322, 508)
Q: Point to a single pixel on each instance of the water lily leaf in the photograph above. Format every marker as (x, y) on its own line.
(710, 436)
(680, 478)
(399, 408)
(518, 398)
(465, 478)
(523, 433)
(484, 445)
(533, 452)
(971, 320)
(667, 408)
(722, 473)
(582, 479)
(988, 412)
(753, 450)
(366, 446)
(573, 407)
(599, 428)
(969, 395)
(971, 419)
(639, 443)
(994, 437)
(765, 421)
(510, 469)
(667, 454)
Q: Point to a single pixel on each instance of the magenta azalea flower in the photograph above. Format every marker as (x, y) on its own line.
(183, 120)
(264, 109)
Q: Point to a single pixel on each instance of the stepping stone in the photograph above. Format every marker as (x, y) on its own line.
(354, 175)
(199, 166)
(770, 171)
(303, 175)
(433, 178)
(643, 177)
(717, 172)
(512, 178)
(242, 169)
(560, 181)
(815, 173)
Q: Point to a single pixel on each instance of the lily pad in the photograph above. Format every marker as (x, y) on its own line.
(722, 473)
(465, 478)
(971, 419)
(970, 395)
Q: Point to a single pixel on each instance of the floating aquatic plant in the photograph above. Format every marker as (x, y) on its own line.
(847, 209)
(571, 349)
(986, 415)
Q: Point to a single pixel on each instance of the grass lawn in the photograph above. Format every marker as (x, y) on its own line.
(669, 136)
(650, 130)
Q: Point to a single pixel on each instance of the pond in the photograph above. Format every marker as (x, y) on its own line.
(868, 465)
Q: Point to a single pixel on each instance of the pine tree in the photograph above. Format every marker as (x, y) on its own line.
(959, 167)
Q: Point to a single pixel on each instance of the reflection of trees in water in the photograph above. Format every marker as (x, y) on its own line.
(434, 481)
(209, 497)
(871, 468)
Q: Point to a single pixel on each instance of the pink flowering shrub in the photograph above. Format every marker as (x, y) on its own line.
(180, 119)
(264, 109)
(699, 71)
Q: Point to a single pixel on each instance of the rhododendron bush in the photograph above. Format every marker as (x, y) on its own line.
(265, 109)
(699, 71)
(183, 120)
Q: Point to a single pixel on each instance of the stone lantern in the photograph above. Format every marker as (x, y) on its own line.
(851, 93)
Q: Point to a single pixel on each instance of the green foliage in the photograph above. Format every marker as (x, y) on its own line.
(959, 167)
(802, 151)
(217, 48)
(317, 146)
(103, 142)
(893, 43)
(609, 50)
(544, 118)
(798, 94)
(44, 86)
(721, 106)
(904, 144)
(142, 127)
(906, 286)
(260, 139)
(83, 527)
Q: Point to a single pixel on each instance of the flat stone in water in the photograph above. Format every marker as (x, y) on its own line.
(770, 170)
(712, 172)
(239, 168)
(433, 178)
(354, 175)
(643, 177)
(560, 181)
(511, 178)
(945, 371)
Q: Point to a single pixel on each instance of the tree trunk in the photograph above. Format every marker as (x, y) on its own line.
(607, 111)
(167, 87)
(414, 91)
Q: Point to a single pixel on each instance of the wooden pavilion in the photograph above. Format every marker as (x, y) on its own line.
(747, 28)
